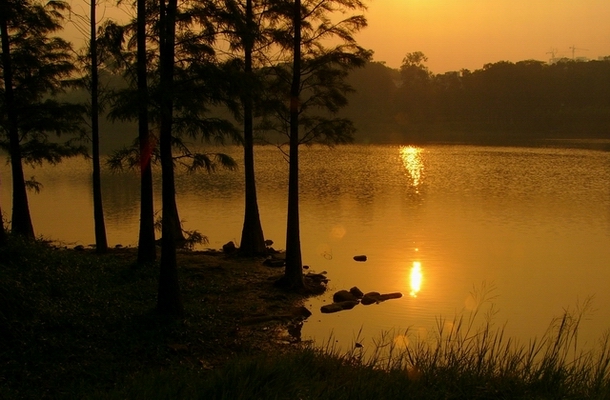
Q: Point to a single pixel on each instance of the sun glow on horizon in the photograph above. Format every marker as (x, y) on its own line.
(472, 33)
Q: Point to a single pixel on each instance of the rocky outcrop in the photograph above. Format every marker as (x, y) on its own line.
(344, 295)
(370, 298)
(356, 292)
(348, 299)
(389, 296)
(376, 297)
(339, 306)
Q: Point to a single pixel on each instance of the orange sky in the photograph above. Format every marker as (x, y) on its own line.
(457, 34)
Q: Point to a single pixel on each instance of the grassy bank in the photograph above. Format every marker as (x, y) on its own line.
(78, 325)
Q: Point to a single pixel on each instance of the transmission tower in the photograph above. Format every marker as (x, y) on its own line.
(552, 52)
(574, 48)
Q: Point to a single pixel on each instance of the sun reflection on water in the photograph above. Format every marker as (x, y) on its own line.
(412, 160)
(415, 278)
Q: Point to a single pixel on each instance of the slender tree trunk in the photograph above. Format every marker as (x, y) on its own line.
(294, 264)
(169, 301)
(21, 219)
(146, 241)
(252, 238)
(101, 244)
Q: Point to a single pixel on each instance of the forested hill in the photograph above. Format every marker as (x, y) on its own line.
(501, 103)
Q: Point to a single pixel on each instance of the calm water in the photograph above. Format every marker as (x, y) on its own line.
(437, 223)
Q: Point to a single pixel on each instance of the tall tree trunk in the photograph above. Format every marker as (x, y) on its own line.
(169, 301)
(21, 219)
(294, 264)
(101, 244)
(252, 238)
(146, 241)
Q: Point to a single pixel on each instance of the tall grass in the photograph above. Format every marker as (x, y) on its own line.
(464, 359)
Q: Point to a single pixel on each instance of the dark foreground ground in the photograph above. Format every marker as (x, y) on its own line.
(76, 325)
(73, 320)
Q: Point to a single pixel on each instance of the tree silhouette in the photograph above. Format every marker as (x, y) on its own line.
(415, 93)
(21, 220)
(34, 68)
(243, 28)
(315, 82)
(169, 301)
(147, 251)
(101, 242)
(294, 262)
(252, 238)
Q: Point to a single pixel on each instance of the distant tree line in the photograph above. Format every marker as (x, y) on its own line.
(501, 103)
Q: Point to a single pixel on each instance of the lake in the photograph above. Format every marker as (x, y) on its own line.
(528, 227)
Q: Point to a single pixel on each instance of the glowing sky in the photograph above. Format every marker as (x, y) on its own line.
(457, 34)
